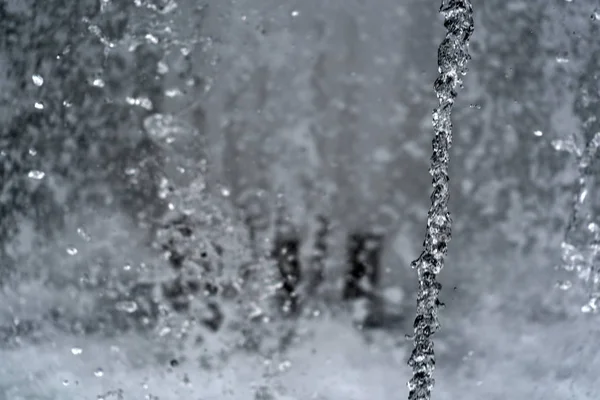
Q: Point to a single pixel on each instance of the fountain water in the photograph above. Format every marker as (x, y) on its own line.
(453, 56)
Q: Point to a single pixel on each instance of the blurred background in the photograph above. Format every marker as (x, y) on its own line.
(222, 199)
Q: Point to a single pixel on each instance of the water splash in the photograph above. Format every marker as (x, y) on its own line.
(453, 56)
(581, 244)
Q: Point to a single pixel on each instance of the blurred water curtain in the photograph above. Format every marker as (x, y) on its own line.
(453, 55)
(581, 242)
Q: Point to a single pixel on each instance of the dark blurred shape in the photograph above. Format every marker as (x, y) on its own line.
(286, 254)
(364, 253)
(319, 254)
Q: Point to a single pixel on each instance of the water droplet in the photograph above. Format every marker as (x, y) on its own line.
(98, 373)
(564, 285)
(98, 83)
(162, 68)
(35, 174)
(173, 92)
(127, 306)
(165, 126)
(72, 251)
(151, 38)
(37, 80)
(38, 105)
(131, 171)
(284, 366)
(82, 233)
(76, 351)
(143, 102)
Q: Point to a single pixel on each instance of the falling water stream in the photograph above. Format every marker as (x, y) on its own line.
(453, 55)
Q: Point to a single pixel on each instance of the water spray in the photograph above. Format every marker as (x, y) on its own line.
(453, 56)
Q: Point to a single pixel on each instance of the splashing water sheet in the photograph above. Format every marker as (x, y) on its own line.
(453, 56)
(580, 247)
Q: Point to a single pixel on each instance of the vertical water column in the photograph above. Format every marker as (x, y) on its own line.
(453, 56)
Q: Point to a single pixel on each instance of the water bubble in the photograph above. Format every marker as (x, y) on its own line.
(562, 60)
(76, 351)
(538, 133)
(295, 13)
(596, 15)
(36, 174)
(37, 80)
(127, 306)
(99, 373)
(225, 192)
(72, 251)
(38, 105)
(65, 382)
(32, 152)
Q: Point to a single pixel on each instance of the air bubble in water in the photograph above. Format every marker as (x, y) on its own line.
(538, 133)
(35, 174)
(98, 373)
(76, 351)
(38, 105)
(72, 251)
